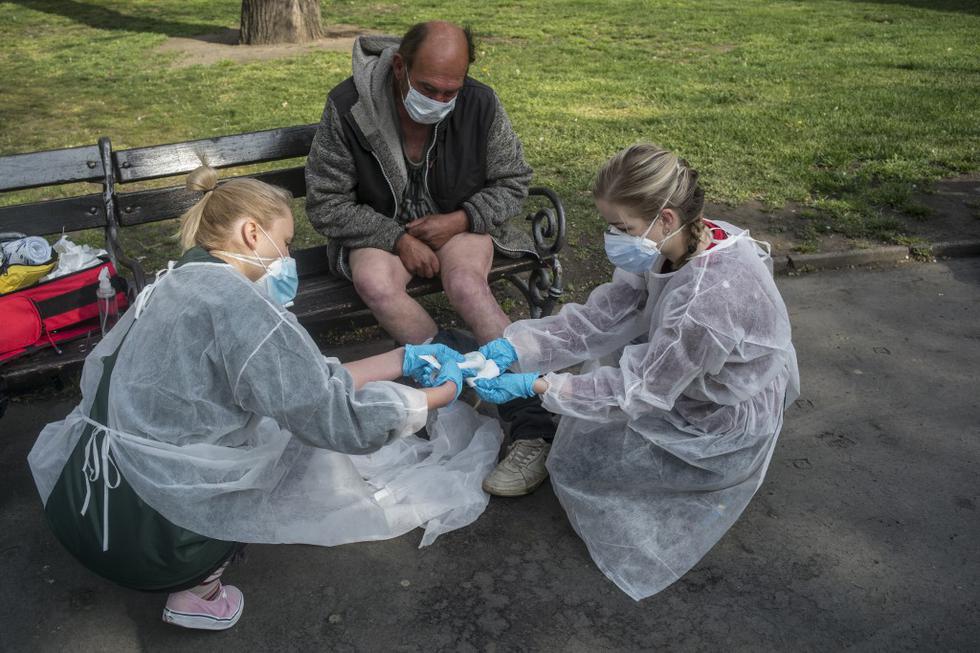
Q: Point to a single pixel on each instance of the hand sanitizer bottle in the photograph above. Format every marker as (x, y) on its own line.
(108, 305)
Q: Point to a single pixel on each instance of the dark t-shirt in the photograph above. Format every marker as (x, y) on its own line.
(416, 202)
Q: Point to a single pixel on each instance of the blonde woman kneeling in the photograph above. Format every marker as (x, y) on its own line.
(209, 418)
(668, 430)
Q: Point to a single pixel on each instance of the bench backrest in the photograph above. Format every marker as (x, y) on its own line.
(116, 207)
(54, 168)
(158, 161)
(145, 163)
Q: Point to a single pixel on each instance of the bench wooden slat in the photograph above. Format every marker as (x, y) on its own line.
(140, 207)
(34, 169)
(54, 216)
(312, 262)
(48, 361)
(225, 151)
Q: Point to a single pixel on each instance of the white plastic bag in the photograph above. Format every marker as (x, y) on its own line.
(73, 257)
(436, 482)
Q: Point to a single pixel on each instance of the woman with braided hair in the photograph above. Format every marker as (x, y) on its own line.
(668, 428)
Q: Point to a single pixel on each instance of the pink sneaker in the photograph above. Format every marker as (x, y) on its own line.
(191, 611)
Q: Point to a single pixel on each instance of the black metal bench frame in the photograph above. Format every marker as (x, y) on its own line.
(321, 297)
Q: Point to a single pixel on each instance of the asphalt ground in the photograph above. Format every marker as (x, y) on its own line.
(864, 535)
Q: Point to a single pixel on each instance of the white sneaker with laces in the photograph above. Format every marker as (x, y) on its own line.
(521, 471)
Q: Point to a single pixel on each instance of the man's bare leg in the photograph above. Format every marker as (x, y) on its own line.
(464, 264)
(380, 279)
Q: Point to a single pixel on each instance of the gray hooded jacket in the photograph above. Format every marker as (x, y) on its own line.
(356, 174)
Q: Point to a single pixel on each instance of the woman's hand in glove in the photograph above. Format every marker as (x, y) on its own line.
(450, 372)
(501, 352)
(506, 387)
(421, 371)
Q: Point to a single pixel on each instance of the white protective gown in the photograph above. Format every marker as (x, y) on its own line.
(226, 419)
(658, 453)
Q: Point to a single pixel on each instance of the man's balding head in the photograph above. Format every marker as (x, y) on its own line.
(444, 38)
(434, 58)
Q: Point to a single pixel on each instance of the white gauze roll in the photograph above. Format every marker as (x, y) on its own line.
(32, 250)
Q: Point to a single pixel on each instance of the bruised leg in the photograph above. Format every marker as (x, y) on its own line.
(464, 264)
(380, 279)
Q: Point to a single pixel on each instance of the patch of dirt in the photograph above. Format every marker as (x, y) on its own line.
(782, 228)
(951, 212)
(208, 49)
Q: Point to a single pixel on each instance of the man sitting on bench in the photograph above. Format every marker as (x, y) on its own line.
(415, 170)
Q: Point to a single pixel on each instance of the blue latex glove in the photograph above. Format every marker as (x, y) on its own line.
(506, 387)
(450, 372)
(418, 369)
(501, 352)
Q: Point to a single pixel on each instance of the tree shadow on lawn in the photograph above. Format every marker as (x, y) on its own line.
(105, 18)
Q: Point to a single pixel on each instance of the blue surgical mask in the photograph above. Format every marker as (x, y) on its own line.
(280, 281)
(634, 254)
(423, 109)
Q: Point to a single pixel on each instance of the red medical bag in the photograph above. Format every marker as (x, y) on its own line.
(54, 311)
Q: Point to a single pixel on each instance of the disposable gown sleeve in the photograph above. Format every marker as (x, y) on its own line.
(611, 317)
(287, 379)
(651, 375)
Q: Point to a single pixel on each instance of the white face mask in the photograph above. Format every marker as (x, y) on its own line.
(423, 109)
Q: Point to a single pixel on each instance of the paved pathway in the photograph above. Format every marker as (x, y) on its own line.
(864, 534)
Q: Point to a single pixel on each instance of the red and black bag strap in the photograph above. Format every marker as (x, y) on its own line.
(71, 300)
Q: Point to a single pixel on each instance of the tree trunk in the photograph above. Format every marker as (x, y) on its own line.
(280, 21)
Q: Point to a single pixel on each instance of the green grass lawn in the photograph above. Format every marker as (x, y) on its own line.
(843, 107)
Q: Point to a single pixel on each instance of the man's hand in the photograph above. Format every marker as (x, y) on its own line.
(417, 257)
(435, 230)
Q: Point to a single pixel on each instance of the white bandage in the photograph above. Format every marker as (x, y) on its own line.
(485, 369)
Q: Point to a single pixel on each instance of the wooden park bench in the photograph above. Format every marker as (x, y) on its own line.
(322, 297)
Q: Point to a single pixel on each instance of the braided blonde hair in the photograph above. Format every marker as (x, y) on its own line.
(645, 177)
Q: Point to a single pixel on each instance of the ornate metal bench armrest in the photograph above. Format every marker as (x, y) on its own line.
(543, 287)
(547, 224)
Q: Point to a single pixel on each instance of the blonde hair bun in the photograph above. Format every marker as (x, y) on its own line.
(202, 179)
(209, 222)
